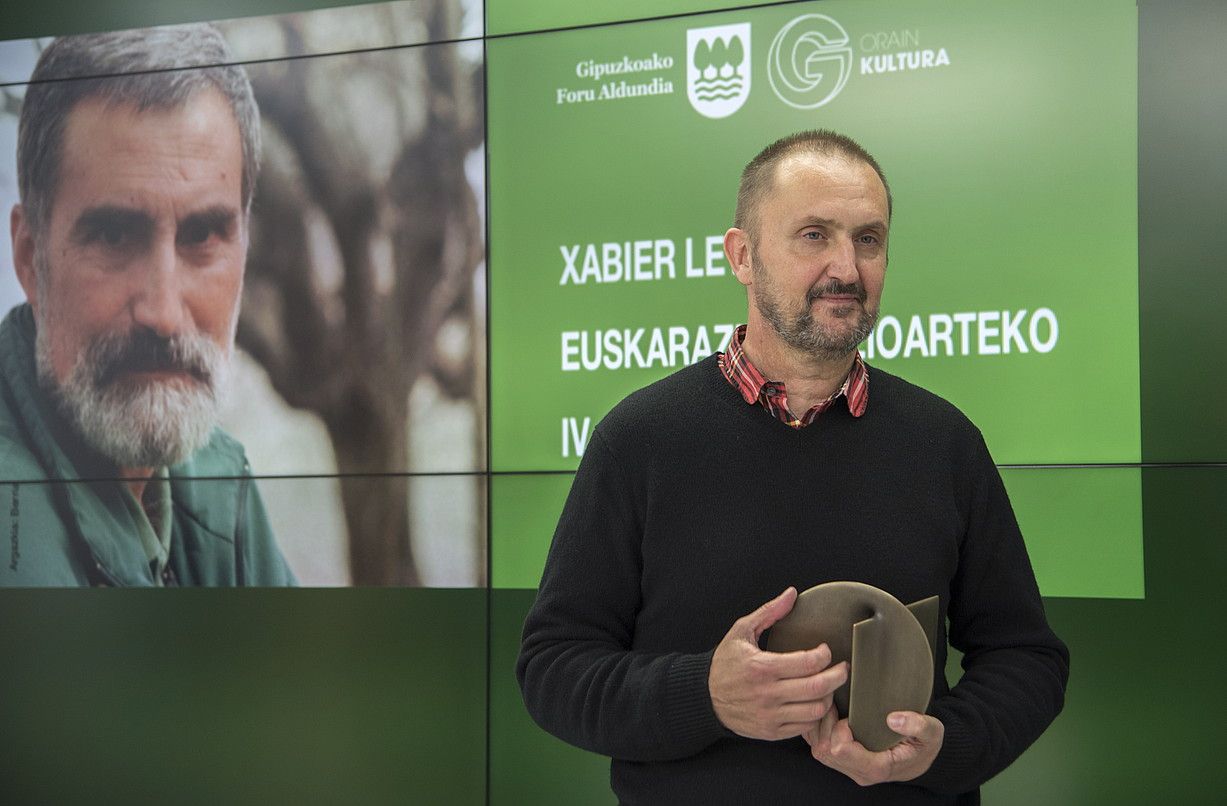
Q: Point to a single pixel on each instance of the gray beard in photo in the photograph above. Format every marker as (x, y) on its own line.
(140, 423)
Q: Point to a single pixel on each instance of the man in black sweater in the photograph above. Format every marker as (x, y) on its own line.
(771, 466)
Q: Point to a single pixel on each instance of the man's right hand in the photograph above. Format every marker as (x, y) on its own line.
(770, 695)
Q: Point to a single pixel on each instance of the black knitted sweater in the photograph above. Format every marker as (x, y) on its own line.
(691, 508)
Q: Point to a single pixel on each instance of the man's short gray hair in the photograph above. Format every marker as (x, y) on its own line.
(758, 178)
(153, 68)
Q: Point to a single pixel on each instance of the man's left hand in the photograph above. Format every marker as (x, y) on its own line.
(831, 743)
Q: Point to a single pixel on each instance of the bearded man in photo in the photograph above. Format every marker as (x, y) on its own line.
(137, 161)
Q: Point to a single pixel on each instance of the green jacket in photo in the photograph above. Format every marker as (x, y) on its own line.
(68, 521)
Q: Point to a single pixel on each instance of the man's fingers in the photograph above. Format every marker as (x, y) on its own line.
(802, 663)
(842, 752)
(813, 687)
(757, 622)
(808, 713)
(827, 725)
(841, 737)
(820, 738)
(911, 725)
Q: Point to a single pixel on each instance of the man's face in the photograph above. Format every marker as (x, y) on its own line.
(818, 254)
(139, 272)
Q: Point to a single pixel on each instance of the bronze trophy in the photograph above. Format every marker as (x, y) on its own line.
(889, 646)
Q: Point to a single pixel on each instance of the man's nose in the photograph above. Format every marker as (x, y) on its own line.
(841, 265)
(158, 301)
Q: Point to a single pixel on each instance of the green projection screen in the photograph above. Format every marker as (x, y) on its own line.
(614, 154)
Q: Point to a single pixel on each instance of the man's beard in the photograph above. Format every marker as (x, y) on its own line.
(801, 332)
(139, 422)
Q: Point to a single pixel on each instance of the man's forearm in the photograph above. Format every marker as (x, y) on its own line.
(629, 705)
(1002, 704)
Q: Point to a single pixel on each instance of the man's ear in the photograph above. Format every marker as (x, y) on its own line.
(737, 251)
(23, 253)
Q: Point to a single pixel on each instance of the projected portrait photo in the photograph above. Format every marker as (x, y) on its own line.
(243, 340)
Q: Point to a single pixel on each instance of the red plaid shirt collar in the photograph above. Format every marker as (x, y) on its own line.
(772, 396)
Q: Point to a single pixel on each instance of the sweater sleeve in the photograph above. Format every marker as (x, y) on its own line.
(1014, 666)
(580, 678)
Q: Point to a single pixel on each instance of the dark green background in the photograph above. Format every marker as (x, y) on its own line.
(372, 696)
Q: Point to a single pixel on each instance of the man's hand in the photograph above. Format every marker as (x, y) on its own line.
(771, 695)
(831, 743)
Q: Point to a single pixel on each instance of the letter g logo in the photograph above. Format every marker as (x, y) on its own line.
(809, 61)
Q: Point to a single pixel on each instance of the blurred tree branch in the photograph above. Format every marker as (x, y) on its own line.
(366, 239)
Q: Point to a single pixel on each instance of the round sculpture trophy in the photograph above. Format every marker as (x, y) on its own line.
(889, 646)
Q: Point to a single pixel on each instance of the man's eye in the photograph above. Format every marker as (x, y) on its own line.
(194, 234)
(110, 235)
(813, 235)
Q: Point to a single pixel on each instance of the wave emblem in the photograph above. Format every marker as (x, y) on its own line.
(809, 61)
(718, 69)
